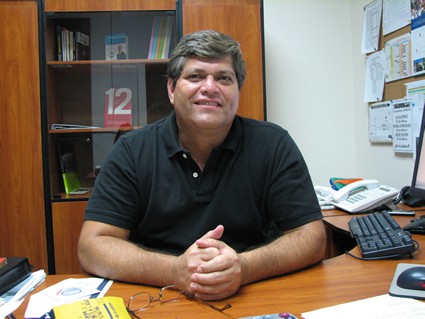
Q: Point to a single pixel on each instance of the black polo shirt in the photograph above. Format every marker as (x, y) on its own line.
(151, 186)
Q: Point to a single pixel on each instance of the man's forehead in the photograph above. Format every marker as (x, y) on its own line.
(225, 64)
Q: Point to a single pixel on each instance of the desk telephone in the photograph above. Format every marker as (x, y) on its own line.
(359, 196)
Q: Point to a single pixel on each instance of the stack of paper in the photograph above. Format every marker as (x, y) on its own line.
(12, 299)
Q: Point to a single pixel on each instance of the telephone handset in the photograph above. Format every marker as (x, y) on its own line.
(363, 195)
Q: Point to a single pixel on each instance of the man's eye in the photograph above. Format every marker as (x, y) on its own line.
(194, 77)
(225, 79)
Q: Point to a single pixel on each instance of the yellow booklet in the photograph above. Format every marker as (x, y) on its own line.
(106, 307)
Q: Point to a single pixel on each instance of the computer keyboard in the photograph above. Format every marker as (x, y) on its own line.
(379, 235)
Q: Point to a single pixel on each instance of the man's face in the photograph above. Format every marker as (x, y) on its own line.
(206, 95)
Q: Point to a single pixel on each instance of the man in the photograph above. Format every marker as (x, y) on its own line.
(121, 54)
(191, 200)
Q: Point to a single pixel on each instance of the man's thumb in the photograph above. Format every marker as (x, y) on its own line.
(216, 233)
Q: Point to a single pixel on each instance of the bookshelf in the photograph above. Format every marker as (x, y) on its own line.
(96, 96)
(107, 88)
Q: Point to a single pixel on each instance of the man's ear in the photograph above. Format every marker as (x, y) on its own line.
(170, 90)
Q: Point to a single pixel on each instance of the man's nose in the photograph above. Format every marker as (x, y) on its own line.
(209, 85)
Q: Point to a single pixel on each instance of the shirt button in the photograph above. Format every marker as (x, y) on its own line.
(184, 156)
(195, 174)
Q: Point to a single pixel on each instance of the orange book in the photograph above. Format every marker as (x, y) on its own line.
(3, 262)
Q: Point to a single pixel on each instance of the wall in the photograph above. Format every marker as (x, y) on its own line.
(315, 82)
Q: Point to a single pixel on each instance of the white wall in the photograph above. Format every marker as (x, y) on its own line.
(315, 83)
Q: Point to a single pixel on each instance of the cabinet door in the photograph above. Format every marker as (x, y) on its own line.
(242, 20)
(67, 222)
(22, 225)
(113, 84)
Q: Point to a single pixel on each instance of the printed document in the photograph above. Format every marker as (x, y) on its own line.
(381, 122)
(399, 58)
(371, 26)
(375, 77)
(396, 15)
(402, 126)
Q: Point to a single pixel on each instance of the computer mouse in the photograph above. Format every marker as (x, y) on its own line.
(412, 278)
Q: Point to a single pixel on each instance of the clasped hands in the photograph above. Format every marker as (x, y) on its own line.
(209, 269)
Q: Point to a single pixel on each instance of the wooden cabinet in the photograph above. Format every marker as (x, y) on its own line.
(22, 225)
(67, 221)
(93, 96)
(77, 90)
(242, 20)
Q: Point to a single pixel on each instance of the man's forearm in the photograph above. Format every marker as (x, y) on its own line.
(294, 250)
(122, 260)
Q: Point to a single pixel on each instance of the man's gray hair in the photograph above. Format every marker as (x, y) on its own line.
(206, 44)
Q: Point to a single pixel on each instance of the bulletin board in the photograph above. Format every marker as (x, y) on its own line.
(398, 52)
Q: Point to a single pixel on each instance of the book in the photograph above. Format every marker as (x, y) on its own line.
(72, 45)
(105, 307)
(81, 48)
(62, 126)
(168, 36)
(116, 46)
(15, 271)
(59, 42)
(69, 171)
(64, 43)
(118, 107)
(161, 34)
(3, 262)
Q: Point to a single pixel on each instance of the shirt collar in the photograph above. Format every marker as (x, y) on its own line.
(171, 136)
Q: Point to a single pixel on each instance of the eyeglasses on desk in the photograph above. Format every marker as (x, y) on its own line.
(143, 300)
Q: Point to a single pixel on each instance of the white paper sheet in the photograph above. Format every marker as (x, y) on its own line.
(395, 15)
(402, 126)
(375, 77)
(418, 50)
(381, 122)
(380, 307)
(371, 26)
(66, 291)
(416, 92)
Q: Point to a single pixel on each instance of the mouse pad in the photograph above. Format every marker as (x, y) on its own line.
(397, 291)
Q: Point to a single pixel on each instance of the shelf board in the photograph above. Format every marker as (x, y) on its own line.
(94, 130)
(62, 197)
(60, 64)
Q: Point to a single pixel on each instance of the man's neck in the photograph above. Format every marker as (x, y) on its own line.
(201, 143)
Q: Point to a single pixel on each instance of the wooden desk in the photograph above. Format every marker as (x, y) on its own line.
(336, 280)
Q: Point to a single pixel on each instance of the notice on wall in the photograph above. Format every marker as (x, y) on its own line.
(415, 91)
(418, 50)
(395, 15)
(380, 122)
(402, 126)
(399, 58)
(375, 77)
(371, 26)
